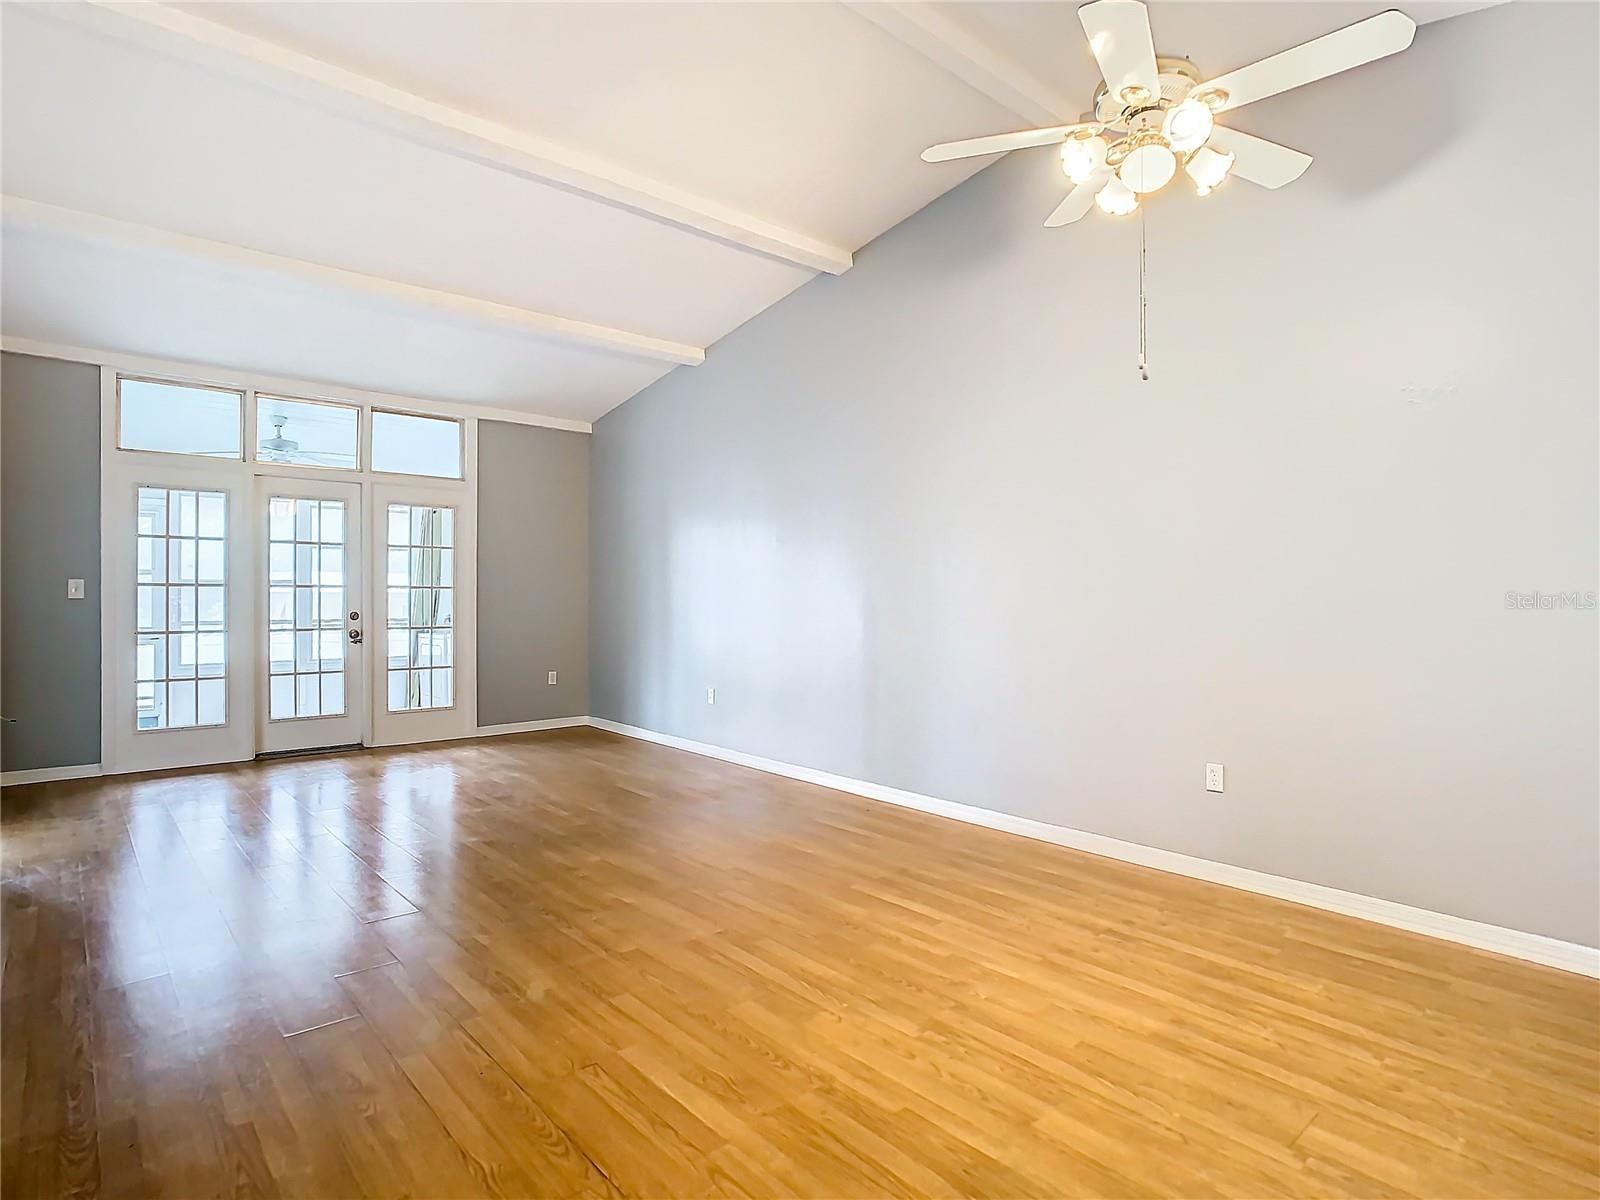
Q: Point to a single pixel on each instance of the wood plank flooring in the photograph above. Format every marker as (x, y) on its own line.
(574, 964)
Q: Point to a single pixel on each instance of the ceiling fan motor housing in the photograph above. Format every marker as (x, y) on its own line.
(1177, 77)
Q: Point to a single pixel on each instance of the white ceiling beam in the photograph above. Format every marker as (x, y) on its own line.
(50, 218)
(211, 375)
(438, 126)
(928, 30)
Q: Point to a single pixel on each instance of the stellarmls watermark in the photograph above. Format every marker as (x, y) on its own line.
(1552, 601)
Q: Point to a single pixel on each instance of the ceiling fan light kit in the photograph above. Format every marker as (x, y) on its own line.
(1082, 155)
(1154, 114)
(1208, 168)
(1116, 198)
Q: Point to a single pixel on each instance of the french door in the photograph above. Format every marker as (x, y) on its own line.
(333, 673)
(310, 630)
(250, 612)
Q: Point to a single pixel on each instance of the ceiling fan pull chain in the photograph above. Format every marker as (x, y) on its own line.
(1144, 336)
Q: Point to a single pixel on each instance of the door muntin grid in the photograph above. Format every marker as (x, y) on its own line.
(419, 607)
(306, 597)
(181, 609)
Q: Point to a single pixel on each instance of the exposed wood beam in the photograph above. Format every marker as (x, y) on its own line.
(440, 127)
(946, 43)
(52, 218)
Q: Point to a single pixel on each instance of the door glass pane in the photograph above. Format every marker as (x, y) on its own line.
(311, 434)
(420, 642)
(306, 600)
(182, 630)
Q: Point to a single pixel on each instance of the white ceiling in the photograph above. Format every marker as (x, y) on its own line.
(661, 171)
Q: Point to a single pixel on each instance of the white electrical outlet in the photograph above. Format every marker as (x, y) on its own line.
(552, 679)
(1213, 777)
(711, 695)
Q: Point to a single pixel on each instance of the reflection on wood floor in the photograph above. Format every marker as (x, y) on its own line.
(571, 963)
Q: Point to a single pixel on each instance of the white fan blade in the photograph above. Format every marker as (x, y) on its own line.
(999, 143)
(1119, 39)
(1263, 163)
(1078, 202)
(1376, 37)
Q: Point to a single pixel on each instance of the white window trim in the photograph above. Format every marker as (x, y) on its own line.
(116, 463)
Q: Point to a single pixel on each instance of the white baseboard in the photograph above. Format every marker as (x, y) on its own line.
(91, 770)
(1533, 947)
(531, 726)
(49, 774)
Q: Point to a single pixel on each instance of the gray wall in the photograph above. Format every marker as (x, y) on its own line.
(533, 573)
(49, 532)
(922, 524)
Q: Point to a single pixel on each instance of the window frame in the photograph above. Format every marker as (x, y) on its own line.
(461, 444)
(246, 409)
(122, 468)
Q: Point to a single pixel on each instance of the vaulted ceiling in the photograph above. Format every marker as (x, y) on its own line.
(542, 207)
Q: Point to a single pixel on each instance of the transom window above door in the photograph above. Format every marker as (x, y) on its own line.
(176, 418)
(408, 444)
(308, 433)
(167, 416)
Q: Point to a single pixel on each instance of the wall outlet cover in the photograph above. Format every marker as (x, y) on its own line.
(711, 695)
(1213, 777)
(552, 678)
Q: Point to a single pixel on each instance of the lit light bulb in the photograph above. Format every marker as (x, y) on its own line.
(1208, 168)
(1116, 198)
(1081, 157)
(1187, 125)
(1149, 168)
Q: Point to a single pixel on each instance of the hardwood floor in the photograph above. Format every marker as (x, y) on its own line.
(572, 963)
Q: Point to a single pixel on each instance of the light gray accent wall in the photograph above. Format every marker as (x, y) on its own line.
(533, 573)
(922, 524)
(49, 533)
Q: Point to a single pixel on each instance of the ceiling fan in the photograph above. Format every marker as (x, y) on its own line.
(278, 448)
(1153, 115)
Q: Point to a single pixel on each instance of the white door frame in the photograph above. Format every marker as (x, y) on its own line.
(125, 469)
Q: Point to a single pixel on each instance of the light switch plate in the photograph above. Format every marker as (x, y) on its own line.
(551, 678)
(74, 589)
